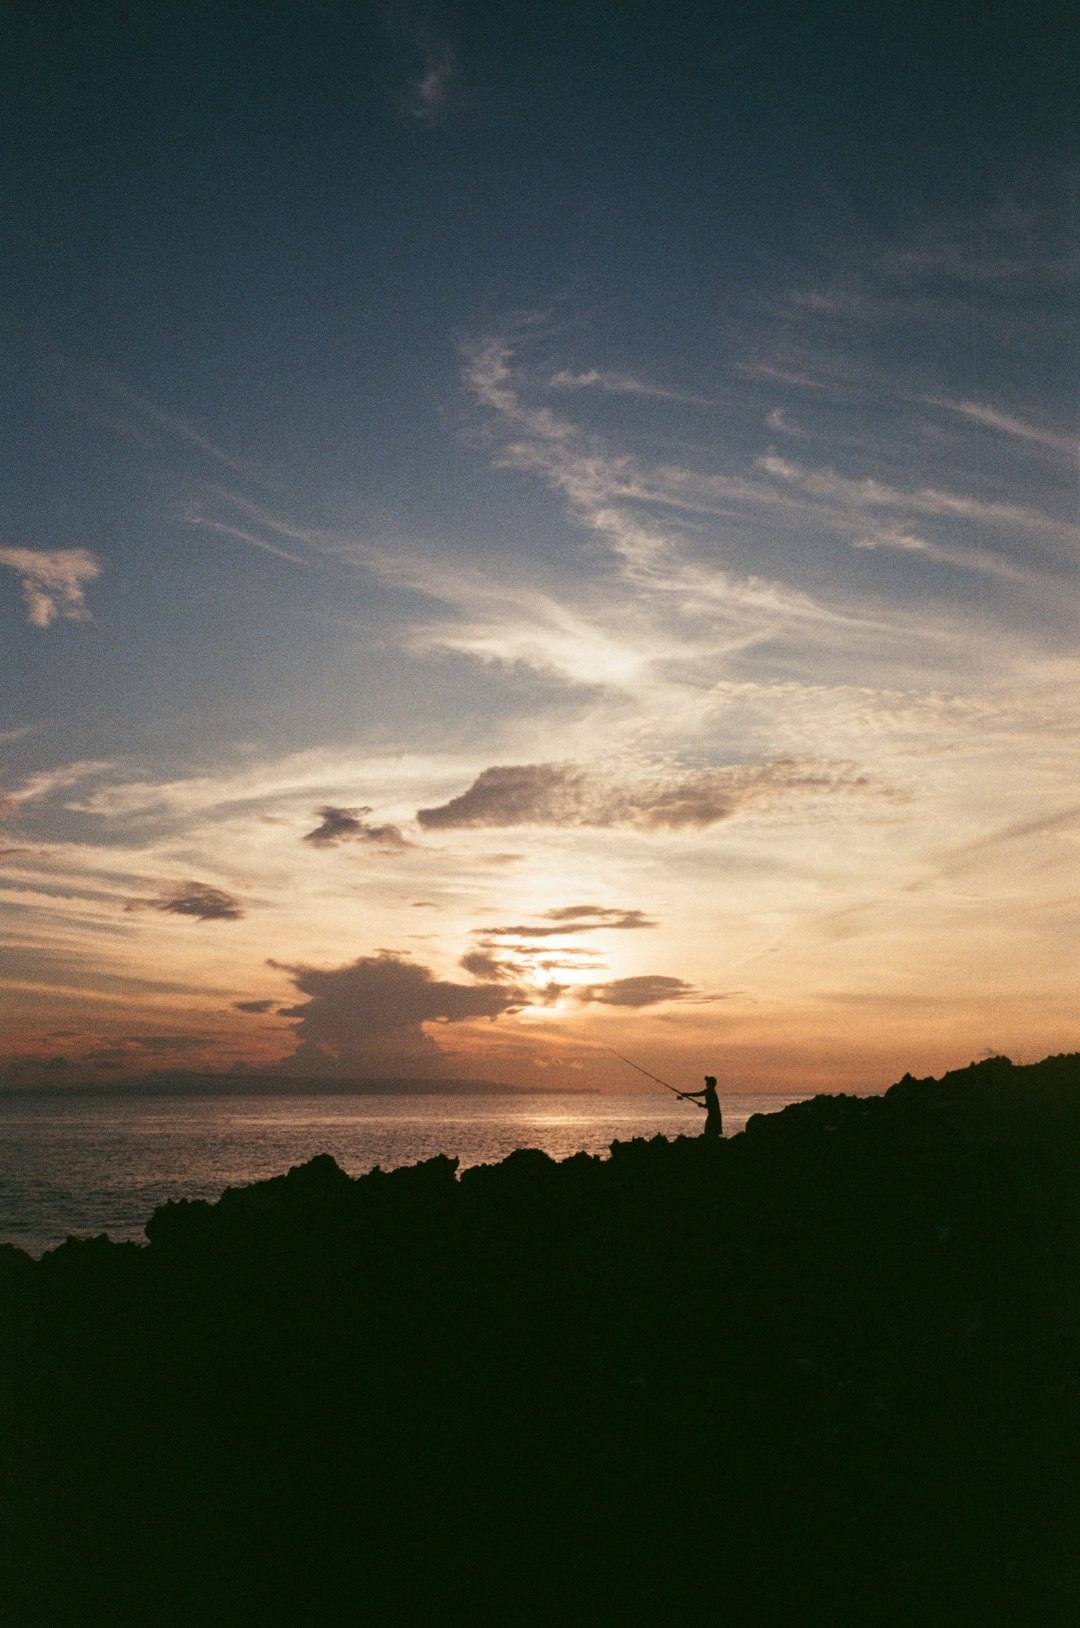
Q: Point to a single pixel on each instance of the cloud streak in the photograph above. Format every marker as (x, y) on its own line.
(674, 534)
(857, 497)
(648, 989)
(42, 785)
(1006, 424)
(624, 384)
(963, 559)
(584, 918)
(300, 776)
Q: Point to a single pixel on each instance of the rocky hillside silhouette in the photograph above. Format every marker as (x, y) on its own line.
(823, 1372)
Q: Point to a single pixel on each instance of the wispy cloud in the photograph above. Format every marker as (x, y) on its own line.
(521, 624)
(1001, 252)
(53, 582)
(181, 428)
(648, 989)
(653, 515)
(1015, 832)
(428, 96)
(855, 497)
(963, 559)
(1006, 424)
(651, 519)
(223, 529)
(301, 777)
(196, 899)
(103, 399)
(45, 783)
(625, 384)
(432, 71)
(573, 919)
(777, 420)
(230, 513)
(774, 373)
(599, 916)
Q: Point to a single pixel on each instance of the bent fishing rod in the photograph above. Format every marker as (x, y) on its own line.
(683, 1095)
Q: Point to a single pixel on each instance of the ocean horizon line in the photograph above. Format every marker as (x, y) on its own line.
(225, 1085)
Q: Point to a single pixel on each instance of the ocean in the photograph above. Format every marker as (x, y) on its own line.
(76, 1165)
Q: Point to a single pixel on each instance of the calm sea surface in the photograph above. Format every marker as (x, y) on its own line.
(73, 1165)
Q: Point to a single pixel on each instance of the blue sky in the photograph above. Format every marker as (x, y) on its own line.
(534, 528)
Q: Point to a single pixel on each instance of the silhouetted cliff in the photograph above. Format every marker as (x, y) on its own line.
(822, 1373)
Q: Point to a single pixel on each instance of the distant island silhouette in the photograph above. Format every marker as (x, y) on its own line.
(182, 1083)
(822, 1372)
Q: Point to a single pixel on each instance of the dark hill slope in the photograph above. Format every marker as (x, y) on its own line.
(823, 1373)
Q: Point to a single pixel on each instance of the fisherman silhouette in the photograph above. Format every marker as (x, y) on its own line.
(714, 1120)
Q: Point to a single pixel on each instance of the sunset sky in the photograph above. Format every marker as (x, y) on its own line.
(532, 528)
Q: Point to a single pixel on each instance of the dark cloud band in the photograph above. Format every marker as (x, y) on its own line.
(197, 899)
(565, 794)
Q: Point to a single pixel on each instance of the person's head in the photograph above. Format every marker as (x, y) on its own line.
(710, 1079)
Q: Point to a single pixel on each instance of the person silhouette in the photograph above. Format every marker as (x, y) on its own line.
(708, 1099)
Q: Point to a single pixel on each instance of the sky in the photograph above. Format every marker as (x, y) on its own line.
(536, 529)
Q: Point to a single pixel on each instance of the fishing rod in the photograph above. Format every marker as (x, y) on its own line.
(683, 1095)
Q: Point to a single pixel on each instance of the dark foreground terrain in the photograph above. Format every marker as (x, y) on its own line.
(825, 1372)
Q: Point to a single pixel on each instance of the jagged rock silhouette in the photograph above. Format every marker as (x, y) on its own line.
(823, 1372)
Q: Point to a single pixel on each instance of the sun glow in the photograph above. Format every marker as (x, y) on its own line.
(534, 672)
